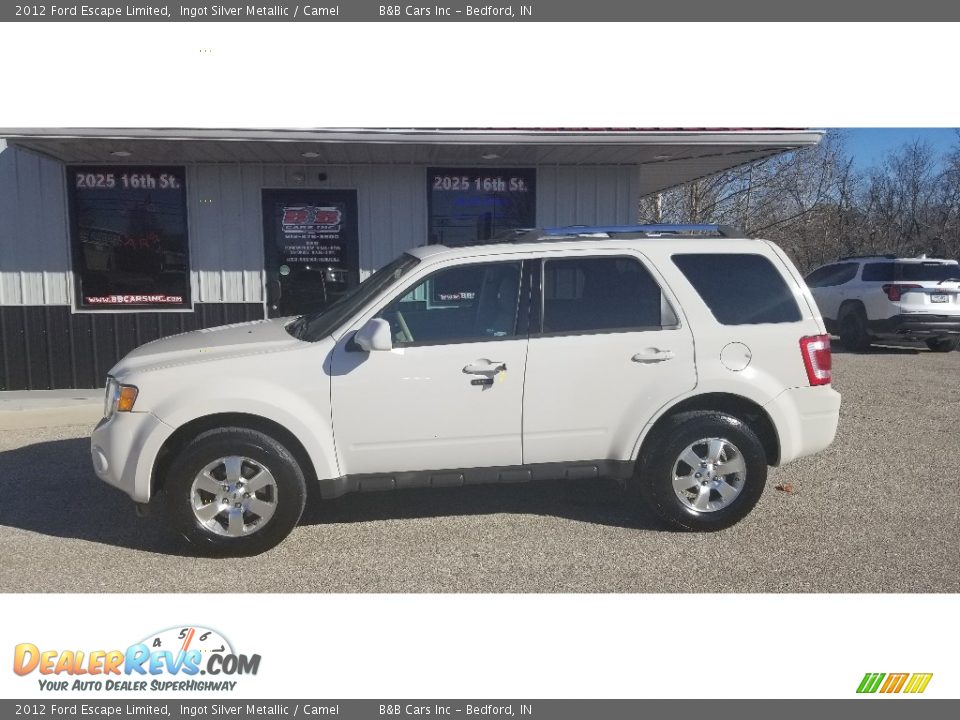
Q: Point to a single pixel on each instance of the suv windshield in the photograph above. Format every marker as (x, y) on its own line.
(318, 325)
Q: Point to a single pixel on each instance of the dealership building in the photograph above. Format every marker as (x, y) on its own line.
(112, 238)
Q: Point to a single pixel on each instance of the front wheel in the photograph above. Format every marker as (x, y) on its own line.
(947, 344)
(703, 471)
(234, 492)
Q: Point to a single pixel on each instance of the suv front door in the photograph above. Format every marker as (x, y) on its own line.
(449, 394)
(610, 352)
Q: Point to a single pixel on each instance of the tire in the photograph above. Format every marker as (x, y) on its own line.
(230, 519)
(853, 330)
(714, 501)
(947, 344)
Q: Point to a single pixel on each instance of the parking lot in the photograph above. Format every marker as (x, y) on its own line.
(877, 512)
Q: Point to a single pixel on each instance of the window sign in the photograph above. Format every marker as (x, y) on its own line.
(310, 246)
(469, 205)
(128, 230)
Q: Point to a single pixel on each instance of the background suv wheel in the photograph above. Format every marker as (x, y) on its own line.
(947, 344)
(853, 329)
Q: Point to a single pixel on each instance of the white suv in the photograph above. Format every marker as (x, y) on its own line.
(680, 360)
(880, 297)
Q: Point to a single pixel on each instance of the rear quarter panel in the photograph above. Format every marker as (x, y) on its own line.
(776, 363)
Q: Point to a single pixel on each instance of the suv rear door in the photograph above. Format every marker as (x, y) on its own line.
(830, 286)
(606, 351)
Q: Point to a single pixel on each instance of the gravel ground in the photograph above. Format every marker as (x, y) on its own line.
(879, 511)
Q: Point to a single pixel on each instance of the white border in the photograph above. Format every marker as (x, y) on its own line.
(479, 74)
(521, 646)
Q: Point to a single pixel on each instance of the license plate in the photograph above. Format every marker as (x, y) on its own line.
(940, 298)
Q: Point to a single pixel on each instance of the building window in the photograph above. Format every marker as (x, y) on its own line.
(470, 205)
(128, 232)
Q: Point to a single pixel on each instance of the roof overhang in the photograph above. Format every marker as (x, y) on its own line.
(669, 156)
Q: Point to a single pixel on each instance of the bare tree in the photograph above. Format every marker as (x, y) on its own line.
(818, 206)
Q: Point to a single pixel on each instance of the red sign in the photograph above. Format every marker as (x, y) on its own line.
(309, 217)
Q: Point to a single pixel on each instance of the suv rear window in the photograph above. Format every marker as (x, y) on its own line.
(877, 272)
(832, 275)
(740, 289)
(918, 271)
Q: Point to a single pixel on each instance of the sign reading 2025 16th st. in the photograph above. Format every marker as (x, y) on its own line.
(128, 228)
(179, 659)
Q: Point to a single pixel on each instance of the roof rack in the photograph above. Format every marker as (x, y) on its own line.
(886, 256)
(653, 230)
(575, 232)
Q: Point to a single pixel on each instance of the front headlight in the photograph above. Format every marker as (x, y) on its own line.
(110, 400)
(119, 398)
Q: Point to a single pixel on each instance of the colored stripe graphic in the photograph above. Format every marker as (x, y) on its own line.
(894, 682)
(870, 682)
(918, 683)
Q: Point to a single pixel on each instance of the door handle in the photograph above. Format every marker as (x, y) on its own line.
(485, 367)
(653, 355)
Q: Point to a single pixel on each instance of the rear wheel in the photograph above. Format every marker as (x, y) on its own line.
(853, 330)
(234, 491)
(947, 344)
(703, 471)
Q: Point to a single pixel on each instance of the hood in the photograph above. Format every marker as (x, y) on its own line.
(216, 343)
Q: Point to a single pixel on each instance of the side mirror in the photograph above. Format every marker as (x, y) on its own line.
(375, 335)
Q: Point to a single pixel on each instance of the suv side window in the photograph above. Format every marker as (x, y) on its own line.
(878, 272)
(832, 275)
(601, 294)
(464, 303)
(740, 289)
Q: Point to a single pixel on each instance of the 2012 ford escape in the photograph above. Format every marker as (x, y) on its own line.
(680, 360)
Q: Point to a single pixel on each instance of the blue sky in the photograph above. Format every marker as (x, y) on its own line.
(868, 146)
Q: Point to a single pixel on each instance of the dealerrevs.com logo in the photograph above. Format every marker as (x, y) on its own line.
(190, 658)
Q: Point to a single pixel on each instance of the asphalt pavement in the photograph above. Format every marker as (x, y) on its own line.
(879, 511)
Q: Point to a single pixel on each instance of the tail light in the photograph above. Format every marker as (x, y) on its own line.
(896, 291)
(817, 359)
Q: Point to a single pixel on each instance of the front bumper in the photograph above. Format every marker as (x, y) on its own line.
(916, 324)
(124, 448)
(806, 420)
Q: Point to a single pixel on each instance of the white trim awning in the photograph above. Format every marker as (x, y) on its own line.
(669, 156)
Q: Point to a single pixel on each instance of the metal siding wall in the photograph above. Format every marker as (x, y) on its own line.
(393, 212)
(34, 259)
(51, 347)
(587, 195)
